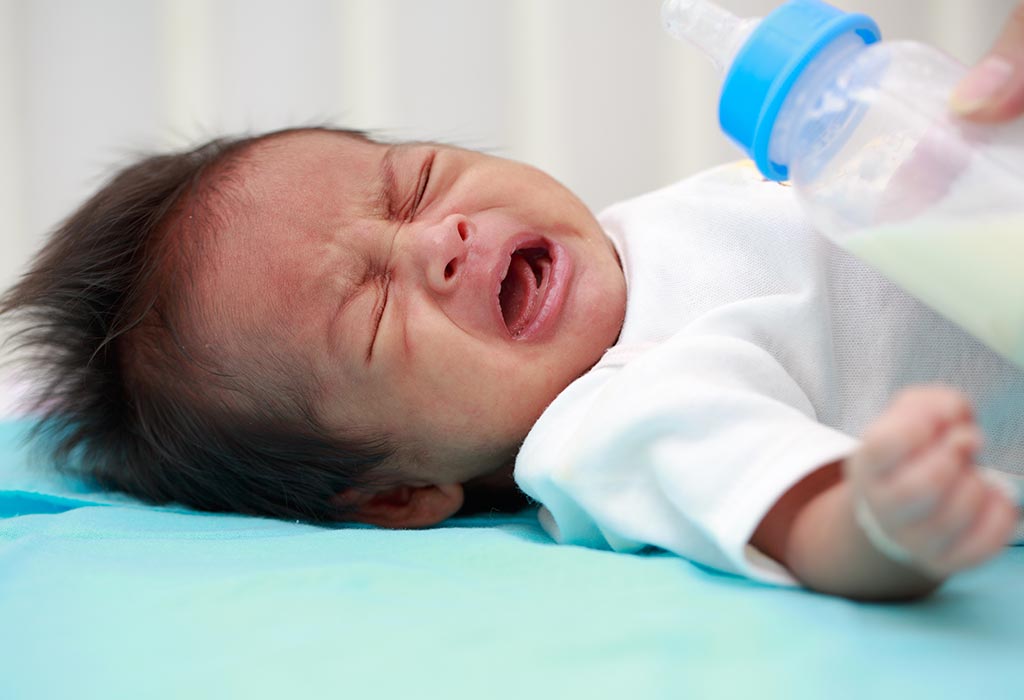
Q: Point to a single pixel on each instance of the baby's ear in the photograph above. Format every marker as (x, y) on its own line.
(402, 507)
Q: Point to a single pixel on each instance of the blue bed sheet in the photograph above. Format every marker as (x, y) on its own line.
(103, 597)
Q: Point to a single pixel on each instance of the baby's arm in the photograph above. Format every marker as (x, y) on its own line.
(915, 473)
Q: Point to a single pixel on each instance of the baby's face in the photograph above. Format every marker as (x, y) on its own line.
(441, 297)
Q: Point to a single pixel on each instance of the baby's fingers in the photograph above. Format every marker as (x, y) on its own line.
(936, 535)
(912, 421)
(914, 491)
(990, 530)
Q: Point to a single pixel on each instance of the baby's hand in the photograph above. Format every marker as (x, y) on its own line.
(915, 476)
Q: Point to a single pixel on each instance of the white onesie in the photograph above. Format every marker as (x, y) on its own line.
(753, 352)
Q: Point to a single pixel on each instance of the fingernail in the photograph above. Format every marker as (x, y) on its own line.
(985, 81)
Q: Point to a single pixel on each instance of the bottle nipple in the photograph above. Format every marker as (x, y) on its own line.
(712, 29)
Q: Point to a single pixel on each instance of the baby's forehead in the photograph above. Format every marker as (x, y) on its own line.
(313, 174)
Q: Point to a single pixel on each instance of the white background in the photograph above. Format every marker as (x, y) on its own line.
(591, 90)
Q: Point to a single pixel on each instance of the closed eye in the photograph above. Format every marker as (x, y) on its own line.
(421, 185)
(378, 313)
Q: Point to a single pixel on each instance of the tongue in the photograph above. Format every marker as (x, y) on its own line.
(518, 294)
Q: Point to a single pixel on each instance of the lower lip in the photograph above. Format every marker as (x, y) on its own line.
(555, 293)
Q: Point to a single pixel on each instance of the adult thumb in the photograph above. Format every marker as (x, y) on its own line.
(994, 89)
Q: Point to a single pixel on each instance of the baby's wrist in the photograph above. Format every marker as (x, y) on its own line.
(876, 535)
(839, 556)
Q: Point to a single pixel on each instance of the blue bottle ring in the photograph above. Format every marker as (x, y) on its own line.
(769, 64)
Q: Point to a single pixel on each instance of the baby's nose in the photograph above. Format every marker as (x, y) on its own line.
(442, 251)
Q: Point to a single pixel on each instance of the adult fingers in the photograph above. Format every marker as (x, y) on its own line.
(994, 89)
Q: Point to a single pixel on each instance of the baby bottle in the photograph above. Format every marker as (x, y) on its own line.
(863, 130)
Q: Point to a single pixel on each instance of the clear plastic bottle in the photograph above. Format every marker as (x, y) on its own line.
(863, 130)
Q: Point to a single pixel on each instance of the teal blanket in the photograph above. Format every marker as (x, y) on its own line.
(102, 597)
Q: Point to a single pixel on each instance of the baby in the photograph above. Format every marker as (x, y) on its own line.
(311, 324)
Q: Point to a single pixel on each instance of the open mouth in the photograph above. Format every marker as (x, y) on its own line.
(523, 288)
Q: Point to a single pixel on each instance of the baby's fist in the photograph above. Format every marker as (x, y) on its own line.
(921, 498)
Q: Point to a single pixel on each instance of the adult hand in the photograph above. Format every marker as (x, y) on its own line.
(994, 90)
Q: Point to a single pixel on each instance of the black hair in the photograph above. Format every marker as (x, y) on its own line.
(123, 395)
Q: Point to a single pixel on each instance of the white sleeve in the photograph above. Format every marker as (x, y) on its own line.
(686, 448)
